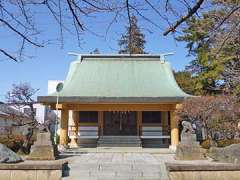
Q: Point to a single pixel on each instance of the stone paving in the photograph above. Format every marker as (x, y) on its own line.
(118, 166)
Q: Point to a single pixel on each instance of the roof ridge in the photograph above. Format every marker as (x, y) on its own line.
(115, 55)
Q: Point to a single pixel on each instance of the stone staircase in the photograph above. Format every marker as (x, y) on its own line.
(119, 141)
(117, 171)
(116, 166)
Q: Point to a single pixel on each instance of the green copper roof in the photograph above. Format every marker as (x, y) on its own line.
(119, 79)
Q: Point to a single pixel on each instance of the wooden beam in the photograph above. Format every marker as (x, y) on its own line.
(118, 107)
(179, 106)
(59, 106)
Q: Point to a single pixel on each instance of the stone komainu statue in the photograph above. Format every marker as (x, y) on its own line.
(188, 133)
(189, 148)
(187, 127)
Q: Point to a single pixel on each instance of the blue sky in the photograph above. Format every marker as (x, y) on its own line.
(52, 62)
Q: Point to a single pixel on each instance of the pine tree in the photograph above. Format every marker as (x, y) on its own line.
(213, 40)
(133, 41)
(186, 81)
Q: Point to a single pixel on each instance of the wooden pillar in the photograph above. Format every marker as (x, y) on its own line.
(74, 119)
(165, 126)
(139, 123)
(100, 123)
(174, 131)
(63, 141)
(164, 121)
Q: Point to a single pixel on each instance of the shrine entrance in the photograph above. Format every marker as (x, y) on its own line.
(120, 123)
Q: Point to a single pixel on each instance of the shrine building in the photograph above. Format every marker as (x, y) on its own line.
(118, 100)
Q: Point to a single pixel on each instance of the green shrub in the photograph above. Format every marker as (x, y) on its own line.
(206, 144)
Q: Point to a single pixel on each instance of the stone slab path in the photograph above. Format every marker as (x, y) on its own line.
(117, 166)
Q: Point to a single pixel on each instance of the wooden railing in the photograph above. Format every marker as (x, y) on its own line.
(85, 132)
(155, 132)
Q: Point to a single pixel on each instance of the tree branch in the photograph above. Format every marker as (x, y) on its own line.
(191, 11)
(8, 55)
(96, 7)
(74, 14)
(152, 6)
(19, 33)
(144, 17)
(227, 16)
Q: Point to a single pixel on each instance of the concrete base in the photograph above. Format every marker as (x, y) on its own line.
(200, 171)
(34, 170)
(206, 175)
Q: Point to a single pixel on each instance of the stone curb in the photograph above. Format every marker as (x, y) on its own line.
(204, 167)
(34, 166)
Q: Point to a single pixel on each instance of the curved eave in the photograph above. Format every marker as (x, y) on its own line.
(109, 79)
(76, 99)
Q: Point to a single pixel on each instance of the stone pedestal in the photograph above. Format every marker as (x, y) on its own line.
(189, 148)
(188, 152)
(43, 148)
(189, 140)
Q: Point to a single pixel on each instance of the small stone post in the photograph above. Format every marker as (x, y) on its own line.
(73, 121)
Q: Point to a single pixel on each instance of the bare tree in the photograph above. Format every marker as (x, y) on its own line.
(22, 96)
(231, 75)
(217, 113)
(20, 17)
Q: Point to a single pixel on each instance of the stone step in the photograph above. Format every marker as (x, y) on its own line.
(113, 139)
(123, 143)
(116, 170)
(109, 165)
(119, 141)
(119, 145)
(119, 137)
(124, 139)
